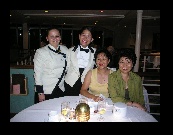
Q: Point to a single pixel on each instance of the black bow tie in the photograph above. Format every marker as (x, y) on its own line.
(86, 50)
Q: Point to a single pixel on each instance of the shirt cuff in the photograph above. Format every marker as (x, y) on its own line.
(39, 88)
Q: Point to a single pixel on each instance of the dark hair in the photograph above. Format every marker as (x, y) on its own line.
(103, 50)
(89, 28)
(129, 53)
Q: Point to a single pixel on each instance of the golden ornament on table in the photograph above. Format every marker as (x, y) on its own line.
(82, 112)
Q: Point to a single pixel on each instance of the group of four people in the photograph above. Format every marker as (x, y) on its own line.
(81, 69)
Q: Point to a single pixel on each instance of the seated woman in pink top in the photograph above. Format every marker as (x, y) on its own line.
(96, 80)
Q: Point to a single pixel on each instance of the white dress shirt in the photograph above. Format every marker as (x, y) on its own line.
(82, 57)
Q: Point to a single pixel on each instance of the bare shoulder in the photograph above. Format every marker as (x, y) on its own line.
(89, 72)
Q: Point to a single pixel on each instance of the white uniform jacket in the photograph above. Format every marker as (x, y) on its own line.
(72, 65)
(48, 67)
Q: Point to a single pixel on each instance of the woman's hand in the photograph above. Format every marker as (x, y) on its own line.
(97, 98)
(41, 97)
(139, 106)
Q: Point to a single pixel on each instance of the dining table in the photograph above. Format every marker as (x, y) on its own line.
(39, 112)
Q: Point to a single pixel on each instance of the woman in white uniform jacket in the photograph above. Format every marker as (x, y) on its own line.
(80, 59)
(49, 68)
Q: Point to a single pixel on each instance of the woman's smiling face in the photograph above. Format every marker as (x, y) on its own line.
(102, 61)
(125, 65)
(85, 38)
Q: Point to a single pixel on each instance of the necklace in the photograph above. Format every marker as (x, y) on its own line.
(126, 80)
(102, 77)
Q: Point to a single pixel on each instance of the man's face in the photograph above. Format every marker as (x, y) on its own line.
(110, 49)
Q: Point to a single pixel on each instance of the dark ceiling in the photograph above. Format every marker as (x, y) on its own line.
(108, 18)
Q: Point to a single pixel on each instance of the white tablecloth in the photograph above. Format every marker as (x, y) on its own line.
(39, 112)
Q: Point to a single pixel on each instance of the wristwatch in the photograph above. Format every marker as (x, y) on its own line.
(40, 93)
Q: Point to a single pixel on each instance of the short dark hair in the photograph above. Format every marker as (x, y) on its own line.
(89, 28)
(103, 50)
(129, 53)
